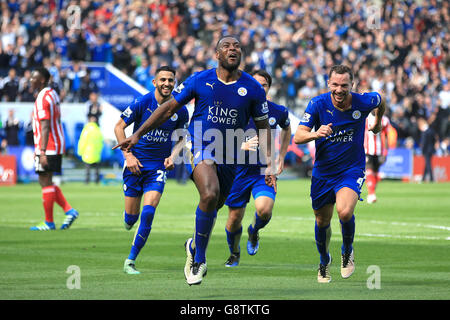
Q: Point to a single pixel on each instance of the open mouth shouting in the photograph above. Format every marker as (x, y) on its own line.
(339, 96)
(233, 57)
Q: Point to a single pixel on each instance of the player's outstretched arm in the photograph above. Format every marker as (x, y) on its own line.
(304, 134)
(379, 112)
(158, 117)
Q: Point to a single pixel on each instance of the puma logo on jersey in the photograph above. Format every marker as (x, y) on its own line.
(211, 85)
(330, 112)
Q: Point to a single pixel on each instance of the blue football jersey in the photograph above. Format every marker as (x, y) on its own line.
(156, 145)
(278, 116)
(344, 148)
(220, 109)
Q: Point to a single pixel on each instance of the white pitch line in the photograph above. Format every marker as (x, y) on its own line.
(395, 223)
(380, 235)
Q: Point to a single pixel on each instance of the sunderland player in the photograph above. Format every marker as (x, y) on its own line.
(338, 118)
(144, 174)
(49, 147)
(249, 181)
(376, 149)
(225, 99)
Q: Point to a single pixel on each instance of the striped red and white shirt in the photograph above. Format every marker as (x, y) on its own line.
(46, 107)
(375, 144)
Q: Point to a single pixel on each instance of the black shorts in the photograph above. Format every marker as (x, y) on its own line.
(373, 162)
(54, 164)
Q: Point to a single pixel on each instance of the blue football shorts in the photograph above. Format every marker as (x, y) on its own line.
(323, 191)
(248, 182)
(149, 180)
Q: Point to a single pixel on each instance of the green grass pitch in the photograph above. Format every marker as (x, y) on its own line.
(405, 236)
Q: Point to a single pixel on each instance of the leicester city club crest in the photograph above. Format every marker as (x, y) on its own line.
(356, 114)
(242, 91)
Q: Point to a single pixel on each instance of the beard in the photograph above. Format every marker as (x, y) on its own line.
(231, 66)
(162, 94)
(341, 97)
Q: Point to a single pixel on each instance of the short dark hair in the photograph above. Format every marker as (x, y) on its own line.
(166, 68)
(341, 69)
(264, 74)
(226, 36)
(43, 72)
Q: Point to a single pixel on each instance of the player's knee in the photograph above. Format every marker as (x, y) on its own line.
(45, 180)
(265, 213)
(322, 221)
(345, 214)
(233, 224)
(210, 199)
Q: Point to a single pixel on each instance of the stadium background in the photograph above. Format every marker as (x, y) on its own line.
(399, 48)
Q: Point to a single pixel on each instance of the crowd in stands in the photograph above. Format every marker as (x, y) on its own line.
(399, 48)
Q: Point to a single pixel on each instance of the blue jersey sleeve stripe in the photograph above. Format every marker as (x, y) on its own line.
(378, 99)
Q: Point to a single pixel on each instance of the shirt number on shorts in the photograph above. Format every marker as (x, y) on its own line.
(162, 176)
(360, 182)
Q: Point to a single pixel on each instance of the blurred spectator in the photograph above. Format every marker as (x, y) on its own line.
(443, 113)
(9, 86)
(75, 76)
(4, 63)
(444, 95)
(12, 128)
(427, 146)
(308, 91)
(90, 148)
(26, 93)
(142, 73)
(56, 76)
(94, 107)
(29, 136)
(122, 56)
(61, 42)
(101, 50)
(77, 47)
(87, 86)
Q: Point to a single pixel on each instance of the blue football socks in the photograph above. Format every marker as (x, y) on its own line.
(130, 219)
(142, 233)
(204, 223)
(323, 235)
(348, 234)
(233, 239)
(258, 223)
